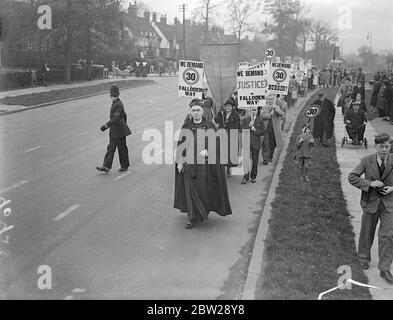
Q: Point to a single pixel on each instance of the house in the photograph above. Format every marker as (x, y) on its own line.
(170, 45)
(139, 29)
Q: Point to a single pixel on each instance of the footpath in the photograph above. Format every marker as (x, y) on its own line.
(8, 108)
(348, 157)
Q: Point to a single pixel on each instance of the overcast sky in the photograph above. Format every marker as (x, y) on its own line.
(354, 19)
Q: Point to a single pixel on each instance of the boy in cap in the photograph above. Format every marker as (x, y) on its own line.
(118, 131)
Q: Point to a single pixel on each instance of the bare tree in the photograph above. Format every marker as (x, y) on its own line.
(204, 11)
(240, 14)
(322, 34)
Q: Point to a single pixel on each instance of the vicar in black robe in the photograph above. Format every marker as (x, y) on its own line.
(200, 186)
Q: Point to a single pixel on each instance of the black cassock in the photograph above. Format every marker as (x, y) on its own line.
(201, 188)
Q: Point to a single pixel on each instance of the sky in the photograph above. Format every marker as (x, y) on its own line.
(354, 19)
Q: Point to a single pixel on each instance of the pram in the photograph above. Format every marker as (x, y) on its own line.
(355, 131)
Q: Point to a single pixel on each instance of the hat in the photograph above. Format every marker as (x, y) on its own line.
(114, 90)
(196, 102)
(231, 102)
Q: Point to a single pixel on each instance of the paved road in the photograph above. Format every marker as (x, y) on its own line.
(112, 236)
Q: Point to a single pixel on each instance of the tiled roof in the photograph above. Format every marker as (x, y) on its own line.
(168, 30)
(140, 26)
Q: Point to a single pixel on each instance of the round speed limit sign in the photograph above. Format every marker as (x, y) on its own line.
(312, 111)
(279, 75)
(270, 53)
(190, 76)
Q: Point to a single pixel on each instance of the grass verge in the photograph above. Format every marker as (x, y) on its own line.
(68, 93)
(310, 234)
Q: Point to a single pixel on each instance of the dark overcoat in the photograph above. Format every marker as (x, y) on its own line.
(200, 188)
(117, 124)
(324, 122)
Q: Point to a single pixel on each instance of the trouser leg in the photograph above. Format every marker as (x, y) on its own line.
(361, 132)
(385, 240)
(266, 147)
(123, 152)
(366, 237)
(110, 152)
(255, 156)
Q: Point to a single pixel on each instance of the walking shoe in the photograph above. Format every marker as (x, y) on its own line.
(244, 181)
(189, 225)
(387, 276)
(253, 180)
(123, 169)
(102, 169)
(364, 265)
(265, 162)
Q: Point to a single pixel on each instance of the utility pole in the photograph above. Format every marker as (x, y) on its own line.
(371, 51)
(183, 8)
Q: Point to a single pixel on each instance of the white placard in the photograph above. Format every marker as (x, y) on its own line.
(251, 87)
(190, 81)
(270, 53)
(278, 78)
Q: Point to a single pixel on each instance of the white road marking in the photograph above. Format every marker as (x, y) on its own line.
(32, 149)
(80, 134)
(123, 175)
(14, 186)
(66, 213)
(79, 290)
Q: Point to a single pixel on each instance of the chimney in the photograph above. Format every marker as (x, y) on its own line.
(132, 9)
(163, 19)
(146, 15)
(176, 21)
(154, 17)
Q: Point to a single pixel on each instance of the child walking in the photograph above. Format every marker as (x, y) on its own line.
(304, 142)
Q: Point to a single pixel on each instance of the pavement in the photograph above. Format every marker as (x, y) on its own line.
(7, 109)
(348, 157)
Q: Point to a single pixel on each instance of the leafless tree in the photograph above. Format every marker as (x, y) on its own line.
(205, 11)
(240, 14)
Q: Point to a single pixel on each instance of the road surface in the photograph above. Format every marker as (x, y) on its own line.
(112, 236)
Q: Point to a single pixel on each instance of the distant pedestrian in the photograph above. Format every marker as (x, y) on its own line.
(324, 122)
(118, 131)
(304, 144)
(377, 204)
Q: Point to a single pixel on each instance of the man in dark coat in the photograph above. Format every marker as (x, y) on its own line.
(118, 131)
(374, 96)
(229, 119)
(200, 186)
(324, 122)
(257, 130)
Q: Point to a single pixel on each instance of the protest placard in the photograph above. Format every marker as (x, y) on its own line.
(251, 87)
(278, 78)
(190, 81)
